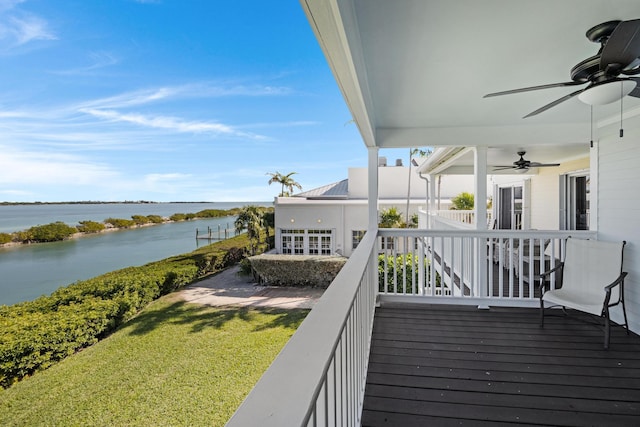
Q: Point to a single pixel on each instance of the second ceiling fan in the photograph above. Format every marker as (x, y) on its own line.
(618, 55)
(523, 165)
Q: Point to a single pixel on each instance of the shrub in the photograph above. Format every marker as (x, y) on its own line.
(51, 232)
(299, 270)
(463, 201)
(5, 238)
(120, 222)
(233, 256)
(391, 218)
(178, 217)
(22, 236)
(398, 268)
(211, 213)
(155, 219)
(140, 219)
(90, 227)
(245, 267)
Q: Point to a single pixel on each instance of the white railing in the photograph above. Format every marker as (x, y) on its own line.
(463, 216)
(449, 219)
(467, 266)
(318, 379)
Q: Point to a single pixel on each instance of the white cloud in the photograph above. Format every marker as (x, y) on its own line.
(29, 28)
(28, 167)
(187, 91)
(98, 60)
(170, 123)
(17, 28)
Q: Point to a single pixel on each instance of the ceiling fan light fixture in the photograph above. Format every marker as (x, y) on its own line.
(607, 92)
(521, 170)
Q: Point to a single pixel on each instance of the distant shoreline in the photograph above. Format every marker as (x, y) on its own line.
(98, 202)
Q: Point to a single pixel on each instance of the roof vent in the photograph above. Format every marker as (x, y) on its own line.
(382, 162)
(398, 162)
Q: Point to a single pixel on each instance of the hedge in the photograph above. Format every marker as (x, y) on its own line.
(36, 334)
(299, 270)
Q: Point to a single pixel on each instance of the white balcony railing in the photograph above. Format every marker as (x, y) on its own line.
(495, 267)
(319, 376)
(318, 379)
(449, 220)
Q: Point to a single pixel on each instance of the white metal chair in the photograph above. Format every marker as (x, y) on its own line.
(592, 281)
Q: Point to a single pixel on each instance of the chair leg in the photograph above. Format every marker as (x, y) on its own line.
(626, 323)
(607, 331)
(541, 313)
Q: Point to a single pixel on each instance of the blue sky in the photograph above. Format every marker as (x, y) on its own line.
(165, 100)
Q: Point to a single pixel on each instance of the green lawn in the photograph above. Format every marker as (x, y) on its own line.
(176, 364)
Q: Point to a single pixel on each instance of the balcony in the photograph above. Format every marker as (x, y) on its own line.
(399, 339)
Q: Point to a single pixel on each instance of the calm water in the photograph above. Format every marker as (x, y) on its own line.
(29, 271)
(22, 217)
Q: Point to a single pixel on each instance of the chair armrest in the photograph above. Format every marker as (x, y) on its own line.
(542, 275)
(607, 289)
(616, 282)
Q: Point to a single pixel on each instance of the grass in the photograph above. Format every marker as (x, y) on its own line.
(174, 364)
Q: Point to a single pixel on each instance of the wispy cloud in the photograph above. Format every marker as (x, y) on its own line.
(29, 167)
(170, 123)
(97, 61)
(187, 91)
(18, 28)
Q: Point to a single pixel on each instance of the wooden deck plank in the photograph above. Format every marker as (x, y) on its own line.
(446, 365)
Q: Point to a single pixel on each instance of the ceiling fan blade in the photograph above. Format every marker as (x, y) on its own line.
(554, 103)
(502, 168)
(623, 46)
(636, 91)
(532, 88)
(542, 165)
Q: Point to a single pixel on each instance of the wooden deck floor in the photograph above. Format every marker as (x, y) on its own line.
(452, 365)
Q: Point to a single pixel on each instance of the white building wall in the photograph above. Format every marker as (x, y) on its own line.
(545, 193)
(341, 216)
(619, 208)
(393, 183)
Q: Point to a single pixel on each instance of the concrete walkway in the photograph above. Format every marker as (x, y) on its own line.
(232, 289)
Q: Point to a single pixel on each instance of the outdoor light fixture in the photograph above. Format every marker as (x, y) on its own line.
(607, 92)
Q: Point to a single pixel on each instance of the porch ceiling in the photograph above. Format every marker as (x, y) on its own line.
(414, 72)
(463, 162)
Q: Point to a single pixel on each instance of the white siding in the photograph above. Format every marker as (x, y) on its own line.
(619, 208)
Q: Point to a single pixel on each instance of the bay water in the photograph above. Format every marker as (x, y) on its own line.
(29, 271)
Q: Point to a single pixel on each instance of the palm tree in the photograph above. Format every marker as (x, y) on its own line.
(286, 181)
(250, 218)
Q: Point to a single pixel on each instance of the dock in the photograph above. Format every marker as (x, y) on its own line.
(219, 234)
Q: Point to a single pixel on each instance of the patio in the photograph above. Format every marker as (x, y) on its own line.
(457, 365)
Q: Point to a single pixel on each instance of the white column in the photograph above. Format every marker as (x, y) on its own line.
(480, 187)
(373, 188)
(432, 200)
(480, 214)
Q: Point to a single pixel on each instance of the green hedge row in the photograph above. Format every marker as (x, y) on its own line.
(36, 334)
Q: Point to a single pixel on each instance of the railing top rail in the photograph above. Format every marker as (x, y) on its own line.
(304, 359)
(516, 234)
